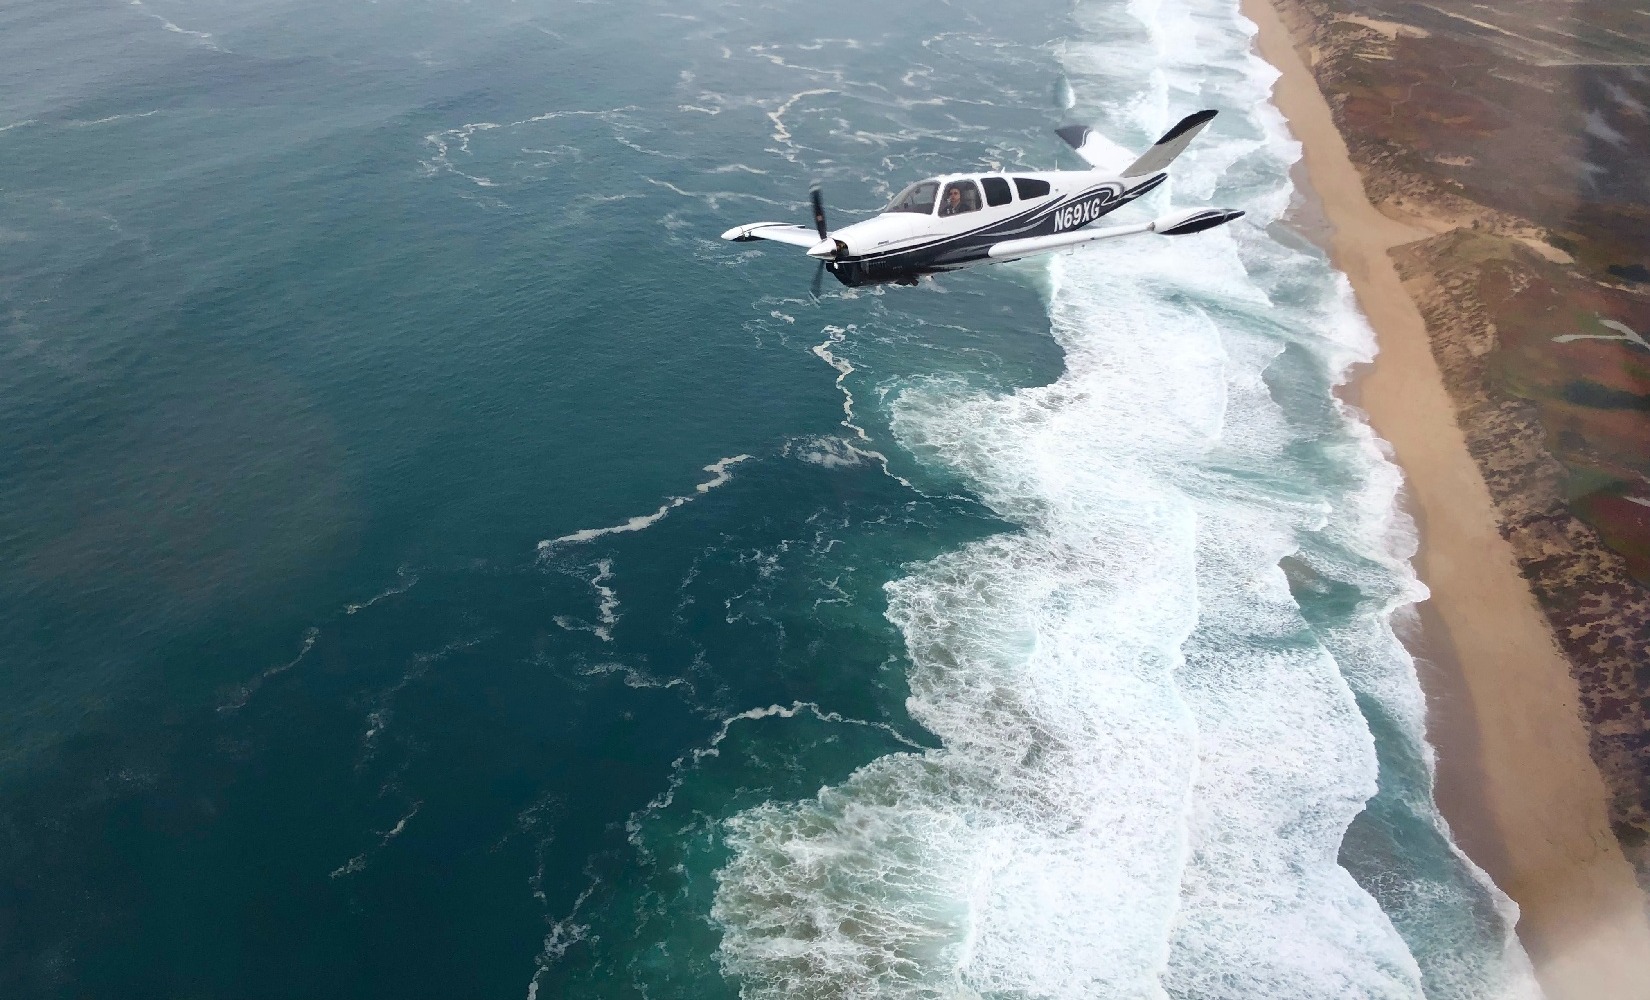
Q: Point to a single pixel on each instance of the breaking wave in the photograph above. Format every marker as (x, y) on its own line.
(1151, 755)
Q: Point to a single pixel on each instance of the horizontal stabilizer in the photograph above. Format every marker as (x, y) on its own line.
(779, 232)
(1173, 143)
(1095, 149)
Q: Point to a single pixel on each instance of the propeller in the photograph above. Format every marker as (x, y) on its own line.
(819, 224)
(819, 211)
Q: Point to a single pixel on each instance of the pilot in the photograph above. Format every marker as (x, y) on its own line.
(953, 202)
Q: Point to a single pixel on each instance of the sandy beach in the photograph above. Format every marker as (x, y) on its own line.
(1515, 779)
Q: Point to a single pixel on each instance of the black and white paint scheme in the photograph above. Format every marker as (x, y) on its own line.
(956, 220)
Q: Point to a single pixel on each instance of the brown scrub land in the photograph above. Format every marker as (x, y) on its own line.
(1483, 168)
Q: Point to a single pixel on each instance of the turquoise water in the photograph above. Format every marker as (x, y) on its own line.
(438, 566)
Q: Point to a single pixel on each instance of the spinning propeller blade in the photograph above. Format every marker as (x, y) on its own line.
(824, 234)
(819, 210)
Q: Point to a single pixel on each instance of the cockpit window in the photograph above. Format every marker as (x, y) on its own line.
(1030, 187)
(960, 197)
(918, 198)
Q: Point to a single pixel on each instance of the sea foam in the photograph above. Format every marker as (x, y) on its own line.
(1150, 755)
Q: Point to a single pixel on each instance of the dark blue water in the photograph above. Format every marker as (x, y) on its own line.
(437, 566)
(272, 356)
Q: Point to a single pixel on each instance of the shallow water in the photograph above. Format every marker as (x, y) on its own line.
(442, 567)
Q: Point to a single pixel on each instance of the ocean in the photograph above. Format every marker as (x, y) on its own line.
(438, 566)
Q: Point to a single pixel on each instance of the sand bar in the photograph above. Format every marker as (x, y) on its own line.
(1516, 780)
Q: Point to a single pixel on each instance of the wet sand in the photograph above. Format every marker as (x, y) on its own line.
(1515, 780)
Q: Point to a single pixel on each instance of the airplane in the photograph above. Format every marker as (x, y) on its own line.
(957, 220)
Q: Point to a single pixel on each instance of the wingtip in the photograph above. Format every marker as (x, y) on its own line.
(1194, 220)
(1196, 119)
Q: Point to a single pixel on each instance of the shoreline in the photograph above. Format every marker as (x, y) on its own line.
(1514, 777)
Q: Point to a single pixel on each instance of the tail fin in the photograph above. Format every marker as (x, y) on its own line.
(1173, 143)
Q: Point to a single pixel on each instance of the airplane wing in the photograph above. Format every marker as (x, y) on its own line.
(779, 232)
(1194, 220)
(1173, 143)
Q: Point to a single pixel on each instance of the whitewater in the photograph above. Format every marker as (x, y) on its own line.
(1168, 695)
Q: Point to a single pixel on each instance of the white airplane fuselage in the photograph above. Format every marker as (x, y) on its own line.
(899, 246)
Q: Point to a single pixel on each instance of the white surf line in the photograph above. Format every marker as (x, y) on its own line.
(26, 121)
(247, 690)
(830, 451)
(719, 475)
(638, 147)
(712, 199)
(408, 578)
(359, 862)
(111, 118)
(781, 134)
(204, 37)
(383, 712)
(350, 867)
(400, 824)
(689, 761)
(835, 586)
(563, 934)
(531, 822)
(461, 135)
(633, 678)
(835, 335)
(607, 608)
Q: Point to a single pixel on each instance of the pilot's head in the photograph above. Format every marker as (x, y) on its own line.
(953, 197)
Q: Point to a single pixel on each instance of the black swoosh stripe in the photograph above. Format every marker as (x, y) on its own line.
(1039, 212)
(1000, 230)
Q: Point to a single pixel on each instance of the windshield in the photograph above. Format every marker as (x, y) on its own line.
(918, 198)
